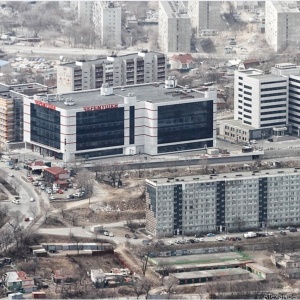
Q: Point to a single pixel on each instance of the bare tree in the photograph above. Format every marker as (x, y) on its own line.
(86, 182)
(170, 283)
(165, 270)
(142, 286)
(75, 239)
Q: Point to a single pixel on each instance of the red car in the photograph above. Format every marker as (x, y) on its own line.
(60, 191)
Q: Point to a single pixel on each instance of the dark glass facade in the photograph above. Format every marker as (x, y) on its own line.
(185, 122)
(99, 153)
(131, 125)
(185, 146)
(45, 126)
(100, 128)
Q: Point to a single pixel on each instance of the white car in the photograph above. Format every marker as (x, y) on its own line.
(252, 142)
(77, 195)
(106, 233)
(200, 240)
(42, 187)
(16, 201)
(10, 175)
(170, 242)
(219, 239)
(31, 200)
(149, 237)
(111, 234)
(52, 198)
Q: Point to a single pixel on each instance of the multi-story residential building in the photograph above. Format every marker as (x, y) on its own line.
(205, 15)
(107, 21)
(146, 118)
(85, 11)
(174, 28)
(282, 20)
(135, 68)
(222, 202)
(11, 111)
(260, 100)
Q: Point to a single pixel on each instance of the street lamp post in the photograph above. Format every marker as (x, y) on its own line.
(65, 156)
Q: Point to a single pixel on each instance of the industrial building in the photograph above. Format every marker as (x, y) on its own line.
(174, 28)
(282, 21)
(221, 202)
(129, 69)
(146, 118)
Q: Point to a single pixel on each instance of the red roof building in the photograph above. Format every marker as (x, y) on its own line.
(53, 174)
(182, 61)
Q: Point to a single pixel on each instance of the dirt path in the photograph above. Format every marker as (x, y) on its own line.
(134, 264)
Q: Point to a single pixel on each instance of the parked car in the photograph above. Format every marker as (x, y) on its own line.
(42, 187)
(282, 232)
(111, 234)
(210, 234)
(16, 201)
(219, 239)
(31, 200)
(238, 238)
(293, 229)
(70, 197)
(145, 242)
(135, 236)
(10, 175)
(77, 195)
(232, 239)
(17, 168)
(127, 236)
(106, 233)
(280, 228)
(52, 197)
(60, 191)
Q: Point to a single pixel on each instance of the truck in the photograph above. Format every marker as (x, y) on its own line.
(249, 235)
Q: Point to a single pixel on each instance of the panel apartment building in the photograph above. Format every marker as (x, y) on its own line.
(229, 201)
(282, 21)
(146, 118)
(174, 28)
(107, 16)
(205, 15)
(129, 69)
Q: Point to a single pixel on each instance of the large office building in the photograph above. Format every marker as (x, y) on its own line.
(205, 15)
(135, 68)
(282, 21)
(148, 118)
(260, 100)
(107, 22)
(174, 28)
(221, 202)
(266, 101)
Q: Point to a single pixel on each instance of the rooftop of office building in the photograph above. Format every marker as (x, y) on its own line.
(175, 9)
(225, 176)
(150, 92)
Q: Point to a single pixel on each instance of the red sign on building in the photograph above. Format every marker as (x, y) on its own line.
(44, 104)
(100, 107)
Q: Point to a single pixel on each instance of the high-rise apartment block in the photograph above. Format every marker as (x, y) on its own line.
(107, 22)
(205, 15)
(282, 22)
(174, 27)
(85, 11)
(135, 68)
(229, 201)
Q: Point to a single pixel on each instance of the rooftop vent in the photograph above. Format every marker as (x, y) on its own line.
(69, 102)
(106, 90)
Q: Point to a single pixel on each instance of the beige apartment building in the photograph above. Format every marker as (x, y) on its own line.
(129, 69)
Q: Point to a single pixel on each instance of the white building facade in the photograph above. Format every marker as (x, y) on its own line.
(107, 22)
(229, 201)
(260, 100)
(282, 21)
(174, 29)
